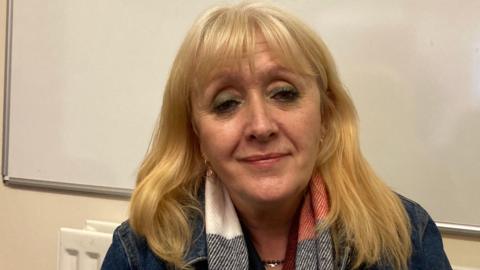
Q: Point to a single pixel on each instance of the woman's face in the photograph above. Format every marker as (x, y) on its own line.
(260, 131)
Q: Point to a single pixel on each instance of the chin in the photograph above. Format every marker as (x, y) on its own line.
(274, 195)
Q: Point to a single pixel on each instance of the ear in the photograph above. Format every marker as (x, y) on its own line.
(192, 112)
(197, 134)
(323, 130)
(194, 126)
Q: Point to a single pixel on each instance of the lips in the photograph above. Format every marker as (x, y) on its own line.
(261, 157)
(264, 160)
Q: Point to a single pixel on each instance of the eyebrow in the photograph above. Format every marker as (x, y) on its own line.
(229, 75)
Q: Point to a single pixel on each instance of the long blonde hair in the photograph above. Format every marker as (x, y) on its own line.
(364, 213)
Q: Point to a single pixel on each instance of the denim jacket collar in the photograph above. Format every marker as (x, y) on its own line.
(198, 248)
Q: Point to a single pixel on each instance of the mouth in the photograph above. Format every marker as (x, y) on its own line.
(264, 160)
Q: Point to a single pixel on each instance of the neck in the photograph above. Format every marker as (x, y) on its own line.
(268, 220)
(269, 225)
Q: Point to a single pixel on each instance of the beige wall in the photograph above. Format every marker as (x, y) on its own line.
(30, 219)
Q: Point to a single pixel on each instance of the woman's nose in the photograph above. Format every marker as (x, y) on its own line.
(261, 125)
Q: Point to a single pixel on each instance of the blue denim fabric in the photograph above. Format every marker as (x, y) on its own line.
(129, 251)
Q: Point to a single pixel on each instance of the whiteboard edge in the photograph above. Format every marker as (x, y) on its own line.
(119, 192)
(459, 229)
(6, 98)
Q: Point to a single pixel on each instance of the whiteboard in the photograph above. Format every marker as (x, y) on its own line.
(84, 87)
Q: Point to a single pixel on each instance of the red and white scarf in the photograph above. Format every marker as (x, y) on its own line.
(225, 240)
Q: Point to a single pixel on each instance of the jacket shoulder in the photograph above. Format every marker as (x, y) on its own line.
(418, 216)
(130, 251)
(428, 252)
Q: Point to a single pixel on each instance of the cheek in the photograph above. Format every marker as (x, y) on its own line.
(217, 140)
(306, 128)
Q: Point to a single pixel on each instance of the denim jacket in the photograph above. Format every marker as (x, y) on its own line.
(130, 251)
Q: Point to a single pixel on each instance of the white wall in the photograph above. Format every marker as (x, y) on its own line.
(30, 218)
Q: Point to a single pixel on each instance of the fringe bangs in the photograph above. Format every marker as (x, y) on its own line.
(229, 37)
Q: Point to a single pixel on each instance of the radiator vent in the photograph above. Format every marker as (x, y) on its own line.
(84, 249)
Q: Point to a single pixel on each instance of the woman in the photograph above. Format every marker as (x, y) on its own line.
(255, 162)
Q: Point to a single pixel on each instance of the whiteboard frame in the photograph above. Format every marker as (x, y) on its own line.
(52, 185)
(37, 183)
(6, 87)
(445, 227)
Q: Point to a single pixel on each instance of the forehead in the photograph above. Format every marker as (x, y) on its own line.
(233, 58)
(262, 64)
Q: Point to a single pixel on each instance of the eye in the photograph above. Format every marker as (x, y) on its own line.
(285, 94)
(225, 102)
(226, 106)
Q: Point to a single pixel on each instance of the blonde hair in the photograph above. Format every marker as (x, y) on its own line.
(364, 213)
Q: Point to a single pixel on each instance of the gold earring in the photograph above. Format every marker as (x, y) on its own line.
(322, 138)
(208, 171)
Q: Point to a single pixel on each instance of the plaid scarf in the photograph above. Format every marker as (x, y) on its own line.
(226, 244)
